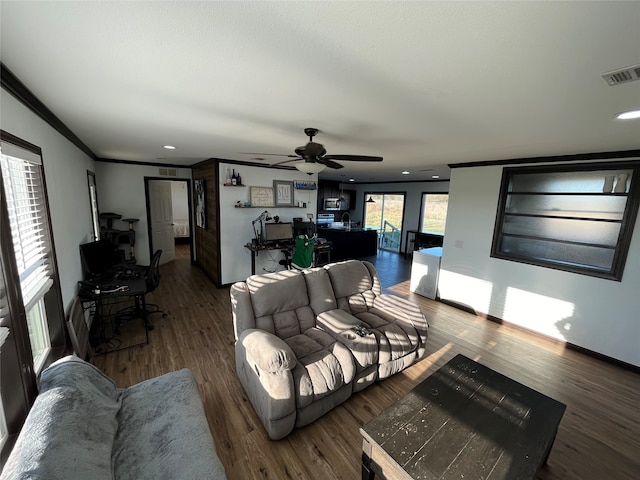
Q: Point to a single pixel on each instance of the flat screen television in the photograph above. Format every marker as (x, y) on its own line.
(278, 232)
(98, 257)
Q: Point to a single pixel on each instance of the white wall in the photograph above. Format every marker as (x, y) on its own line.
(121, 190)
(413, 199)
(65, 168)
(597, 314)
(235, 223)
(180, 200)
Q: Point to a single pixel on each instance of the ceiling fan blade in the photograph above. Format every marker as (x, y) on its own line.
(270, 154)
(286, 161)
(354, 158)
(328, 162)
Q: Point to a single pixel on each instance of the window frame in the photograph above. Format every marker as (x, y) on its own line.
(422, 212)
(627, 223)
(18, 373)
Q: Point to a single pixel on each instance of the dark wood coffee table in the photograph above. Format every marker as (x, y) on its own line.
(464, 421)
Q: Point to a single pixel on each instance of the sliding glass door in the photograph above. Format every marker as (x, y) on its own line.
(384, 212)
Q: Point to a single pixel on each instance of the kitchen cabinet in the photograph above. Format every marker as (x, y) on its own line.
(331, 189)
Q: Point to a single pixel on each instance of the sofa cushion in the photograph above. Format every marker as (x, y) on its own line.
(277, 292)
(71, 427)
(280, 303)
(163, 432)
(321, 297)
(323, 366)
(353, 284)
(349, 277)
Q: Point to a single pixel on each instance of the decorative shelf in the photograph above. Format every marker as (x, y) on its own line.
(224, 185)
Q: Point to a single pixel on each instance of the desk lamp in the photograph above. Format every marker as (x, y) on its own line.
(264, 216)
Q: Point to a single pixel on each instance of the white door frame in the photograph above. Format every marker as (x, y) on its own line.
(189, 206)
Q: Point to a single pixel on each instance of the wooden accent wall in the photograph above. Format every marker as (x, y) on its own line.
(208, 240)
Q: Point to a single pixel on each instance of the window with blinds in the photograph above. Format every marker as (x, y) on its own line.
(4, 333)
(23, 191)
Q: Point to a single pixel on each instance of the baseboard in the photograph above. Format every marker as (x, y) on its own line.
(570, 346)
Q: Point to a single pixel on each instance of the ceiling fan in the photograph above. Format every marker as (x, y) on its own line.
(315, 157)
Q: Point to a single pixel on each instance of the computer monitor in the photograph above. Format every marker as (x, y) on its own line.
(98, 257)
(303, 228)
(278, 232)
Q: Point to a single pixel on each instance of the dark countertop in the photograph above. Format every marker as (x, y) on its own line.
(320, 230)
(354, 243)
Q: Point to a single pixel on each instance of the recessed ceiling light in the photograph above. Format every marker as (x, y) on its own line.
(631, 114)
(435, 176)
(352, 179)
(406, 172)
(169, 147)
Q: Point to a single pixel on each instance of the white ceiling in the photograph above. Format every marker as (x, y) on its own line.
(422, 84)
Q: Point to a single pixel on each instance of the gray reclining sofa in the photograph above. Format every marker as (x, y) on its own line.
(306, 340)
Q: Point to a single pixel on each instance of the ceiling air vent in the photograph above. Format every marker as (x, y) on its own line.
(628, 74)
(168, 172)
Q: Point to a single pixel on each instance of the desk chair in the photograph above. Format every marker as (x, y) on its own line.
(302, 254)
(152, 278)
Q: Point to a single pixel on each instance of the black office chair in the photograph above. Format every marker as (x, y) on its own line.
(152, 279)
(152, 273)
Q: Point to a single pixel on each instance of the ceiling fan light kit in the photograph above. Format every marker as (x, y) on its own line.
(310, 168)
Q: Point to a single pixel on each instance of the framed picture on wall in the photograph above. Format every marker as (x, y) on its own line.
(283, 193)
(201, 203)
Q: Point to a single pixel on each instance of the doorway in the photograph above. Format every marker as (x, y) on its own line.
(169, 217)
(385, 213)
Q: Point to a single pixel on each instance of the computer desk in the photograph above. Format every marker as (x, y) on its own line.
(318, 250)
(128, 289)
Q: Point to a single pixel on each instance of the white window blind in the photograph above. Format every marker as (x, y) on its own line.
(23, 188)
(4, 313)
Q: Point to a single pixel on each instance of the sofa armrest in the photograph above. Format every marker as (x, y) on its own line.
(264, 363)
(269, 352)
(241, 308)
(336, 321)
(163, 432)
(339, 324)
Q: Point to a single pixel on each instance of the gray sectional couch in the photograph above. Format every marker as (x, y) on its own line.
(81, 427)
(306, 340)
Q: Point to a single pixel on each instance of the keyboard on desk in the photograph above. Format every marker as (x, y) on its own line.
(276, 246)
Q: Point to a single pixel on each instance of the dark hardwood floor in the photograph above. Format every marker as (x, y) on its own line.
(598, 438)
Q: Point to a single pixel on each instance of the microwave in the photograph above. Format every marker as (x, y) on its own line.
(332, 204)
